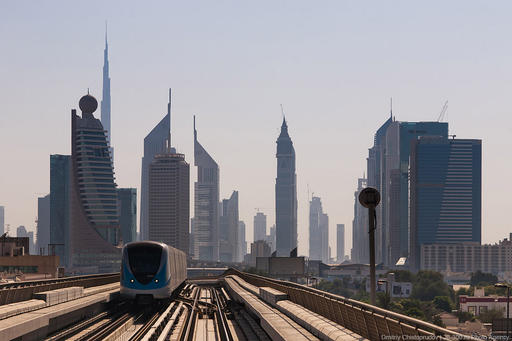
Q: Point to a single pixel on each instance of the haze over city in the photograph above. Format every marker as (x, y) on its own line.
(334, 66)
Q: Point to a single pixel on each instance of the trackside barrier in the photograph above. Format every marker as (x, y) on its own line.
(23, 291)
(369, 321)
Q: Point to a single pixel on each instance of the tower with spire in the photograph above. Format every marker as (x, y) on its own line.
(206, 204)
(286, 195)
(156, 142)
(105, 101)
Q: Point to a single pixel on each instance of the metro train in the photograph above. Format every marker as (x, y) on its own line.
(151, 269)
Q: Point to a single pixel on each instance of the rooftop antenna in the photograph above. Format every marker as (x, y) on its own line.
(169, 113)
(282, 110)
(88, 91)
(106, 29)
(443, 111)
(391, 108)
(195, 131)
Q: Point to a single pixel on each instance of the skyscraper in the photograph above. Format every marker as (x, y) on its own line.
(105, 101)
(95, 232)
(324, 235)
(315, 239)
(360, 242)
(242, 242)
(286, 194)
(206, 204)
(21, 231)
(60, 182)
(2, 220)
(169, 200)
(127, 202)
(156, 142)
(446, 192)
(43, 224)
(260, 226)
(388, 165)
(318, 231)
(228, 236)
(271, 238)
(340, 242)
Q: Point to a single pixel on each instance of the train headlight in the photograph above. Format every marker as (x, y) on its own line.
(131, 280)
(156, 280)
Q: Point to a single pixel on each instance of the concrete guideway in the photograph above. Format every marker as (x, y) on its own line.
(23, 291)
(238, 306)
(277, 303)
(36, 324)
(368, 321)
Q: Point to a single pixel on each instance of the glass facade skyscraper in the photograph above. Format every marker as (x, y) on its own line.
(127, 202)
(388, 172)
(446, 192)
(60, 167)
(206, 204)
(156, 142)
(169, 200)
(43, 225)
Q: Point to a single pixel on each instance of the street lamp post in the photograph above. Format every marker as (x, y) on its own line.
(370, 198)
(504, 285)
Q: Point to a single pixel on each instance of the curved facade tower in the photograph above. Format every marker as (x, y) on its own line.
(206, 204)
(95, 232)
(286, 195)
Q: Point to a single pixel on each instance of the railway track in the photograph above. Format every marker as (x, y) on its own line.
(197, 313)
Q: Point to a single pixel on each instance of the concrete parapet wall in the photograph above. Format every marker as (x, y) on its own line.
(60, 295)
(272, 296)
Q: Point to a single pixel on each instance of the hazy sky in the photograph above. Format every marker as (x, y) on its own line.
(333, 64)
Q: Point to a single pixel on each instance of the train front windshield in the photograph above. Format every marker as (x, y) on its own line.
(144, 261)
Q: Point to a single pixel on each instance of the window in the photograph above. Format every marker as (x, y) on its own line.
(482, 309)
(472, 309)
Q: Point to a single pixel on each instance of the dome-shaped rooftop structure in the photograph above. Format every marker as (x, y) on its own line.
(88, 104)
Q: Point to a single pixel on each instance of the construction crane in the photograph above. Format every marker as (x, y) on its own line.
(443, 111)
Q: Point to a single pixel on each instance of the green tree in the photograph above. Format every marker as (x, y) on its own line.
(464, 316)
(428, 285)
(443, 303)
(383, 300)
(490, 315)
(480, 278)
(438, 321)
(403, 276)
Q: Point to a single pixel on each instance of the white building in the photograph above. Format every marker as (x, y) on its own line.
(479, 303)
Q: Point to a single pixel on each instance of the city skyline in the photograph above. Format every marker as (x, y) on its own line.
(316, 142)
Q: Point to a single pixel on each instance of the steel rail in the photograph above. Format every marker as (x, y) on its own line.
(102, 332)
(191, 319)
(223, 328)
(84, 324)
(153, 317)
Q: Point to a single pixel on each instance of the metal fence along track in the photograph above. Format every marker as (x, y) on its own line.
(22, 291)
(367, 320)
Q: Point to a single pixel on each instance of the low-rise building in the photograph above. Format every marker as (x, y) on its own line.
(468, 257)
(259, 248)
(29, 267)
(353, 271)
(479, 303)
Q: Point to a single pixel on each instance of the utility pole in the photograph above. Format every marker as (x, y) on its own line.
(370, 198)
